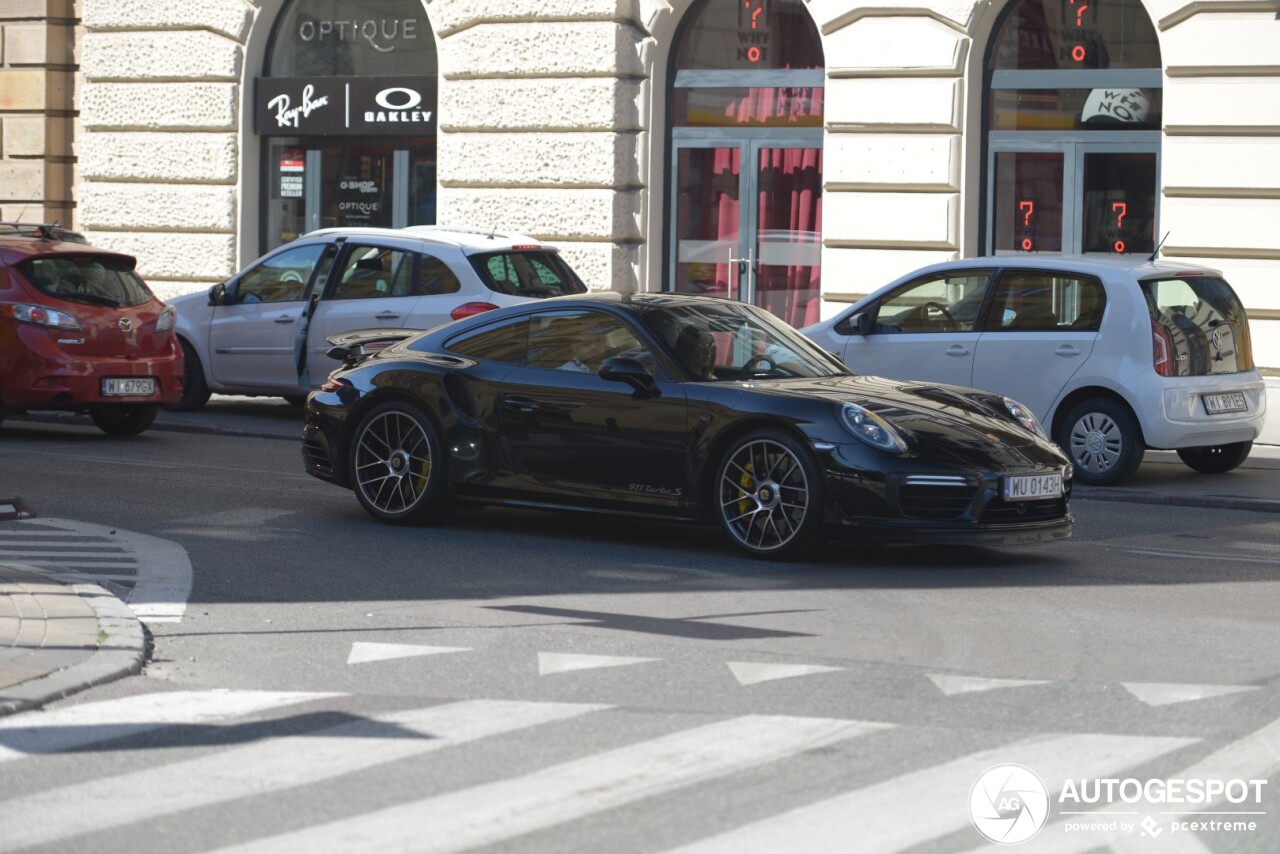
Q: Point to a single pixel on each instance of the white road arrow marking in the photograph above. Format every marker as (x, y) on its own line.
(364, 652)
(749, 672)
(951, 685)
(558, 662)
(1166, 694)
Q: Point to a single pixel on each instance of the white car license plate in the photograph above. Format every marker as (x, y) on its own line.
(128, 386)
(1231, 401)
(1032, 487)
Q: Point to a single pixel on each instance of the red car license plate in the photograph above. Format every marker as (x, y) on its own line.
(128, 386)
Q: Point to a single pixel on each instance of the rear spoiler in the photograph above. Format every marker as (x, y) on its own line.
(350, 347)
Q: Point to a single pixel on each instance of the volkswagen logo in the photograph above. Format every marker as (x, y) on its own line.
(126, 325)
(1216, 338)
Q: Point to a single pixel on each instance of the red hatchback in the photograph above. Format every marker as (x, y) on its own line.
(80, 331)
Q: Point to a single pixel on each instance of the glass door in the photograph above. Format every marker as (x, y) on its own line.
(751, 234)
(1072, 196)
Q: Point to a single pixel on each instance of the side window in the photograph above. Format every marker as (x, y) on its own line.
(944, 302)
(435, 277)
(282, 277)
(581, 341)
(1046, 302)
(369, 272)
(507, 341)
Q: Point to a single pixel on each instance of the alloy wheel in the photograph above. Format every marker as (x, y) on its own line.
(764, 495)
(393, 462)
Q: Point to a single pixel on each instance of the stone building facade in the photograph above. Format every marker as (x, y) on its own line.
(579, 121)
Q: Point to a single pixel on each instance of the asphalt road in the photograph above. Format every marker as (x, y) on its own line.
(1147, 645)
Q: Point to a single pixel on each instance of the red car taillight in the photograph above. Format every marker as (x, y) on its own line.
(40, 315)
(1162, 350)
(471, 309)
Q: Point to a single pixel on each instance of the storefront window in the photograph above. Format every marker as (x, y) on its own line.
(347, 111)
(1074, 111)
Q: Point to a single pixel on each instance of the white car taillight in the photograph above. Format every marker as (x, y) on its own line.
(165, 321)
(470, 309)
(1162, 350)
(41, 315)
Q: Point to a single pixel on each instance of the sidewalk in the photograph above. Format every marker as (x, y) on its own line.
(56, 638)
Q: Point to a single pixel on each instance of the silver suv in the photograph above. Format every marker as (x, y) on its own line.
(1114, 355)
(264, 331)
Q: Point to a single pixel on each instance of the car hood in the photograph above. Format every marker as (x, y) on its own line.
(940, 422)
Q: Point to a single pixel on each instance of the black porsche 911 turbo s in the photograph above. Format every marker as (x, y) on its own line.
(680, 407)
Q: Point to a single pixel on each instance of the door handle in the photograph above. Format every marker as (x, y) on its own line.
(957, 350)
(1067, 351)
(520, 404)
(386, 315)
(284, 318)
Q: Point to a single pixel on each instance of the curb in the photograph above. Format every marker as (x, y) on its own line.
(122, 653)
(75, 420)
(1214, 502)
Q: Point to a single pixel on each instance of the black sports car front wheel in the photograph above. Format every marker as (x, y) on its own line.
(397, 468)
(769, 495)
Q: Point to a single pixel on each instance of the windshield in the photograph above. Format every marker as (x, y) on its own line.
(106, 280)
(1202, 322)
(723, 340)
(526, 273)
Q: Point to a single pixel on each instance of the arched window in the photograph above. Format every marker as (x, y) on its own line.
(1073, 117)
(747, 85)
(346, 109)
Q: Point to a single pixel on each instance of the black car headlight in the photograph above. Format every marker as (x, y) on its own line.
(872, 429)
(1025, 417)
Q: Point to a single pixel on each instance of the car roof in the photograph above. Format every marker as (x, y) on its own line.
(1140, 266)
(467, 238)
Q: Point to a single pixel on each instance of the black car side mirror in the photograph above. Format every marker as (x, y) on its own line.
(631, 372)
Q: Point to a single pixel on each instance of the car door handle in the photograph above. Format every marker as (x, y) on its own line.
(284, 318)
(1067, 351)
(957, 350)
(520, 404)
(386, 315)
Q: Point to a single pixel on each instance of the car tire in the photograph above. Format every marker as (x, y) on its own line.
(1216, 459)
(195, 391)
(775, 517)
(123, 419)
(1103, 441)
(396, 465)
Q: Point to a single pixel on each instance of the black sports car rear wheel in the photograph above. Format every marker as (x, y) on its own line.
(397, 468)
(769, 495)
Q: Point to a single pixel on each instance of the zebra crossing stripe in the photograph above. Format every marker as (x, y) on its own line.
(889, 816)
(76, 726)
(218, 778)
(506, 809)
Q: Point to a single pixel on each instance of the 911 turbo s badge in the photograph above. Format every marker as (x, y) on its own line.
(656, 490)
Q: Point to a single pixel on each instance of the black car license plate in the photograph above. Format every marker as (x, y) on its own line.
(1231, 401)
(1032, 487)
(128, 386)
